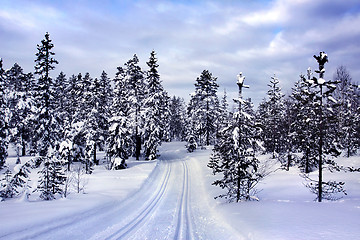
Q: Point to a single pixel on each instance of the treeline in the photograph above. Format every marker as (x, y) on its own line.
(312, 126)
(69, 119)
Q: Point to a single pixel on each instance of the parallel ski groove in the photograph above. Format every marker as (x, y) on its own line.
(145, 213)
(184, 214)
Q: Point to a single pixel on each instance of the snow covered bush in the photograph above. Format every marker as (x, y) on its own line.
(13, 185)
(191, 144)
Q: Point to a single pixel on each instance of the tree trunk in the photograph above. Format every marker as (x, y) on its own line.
(23, 151)
(95, 160)
(320, 145)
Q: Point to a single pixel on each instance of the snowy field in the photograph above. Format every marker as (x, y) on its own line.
(172, 198)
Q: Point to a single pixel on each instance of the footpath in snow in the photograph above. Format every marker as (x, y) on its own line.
(172, 198)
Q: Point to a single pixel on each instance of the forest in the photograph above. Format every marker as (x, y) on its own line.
(63, 122)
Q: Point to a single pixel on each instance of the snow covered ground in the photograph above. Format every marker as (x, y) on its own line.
(172, 198)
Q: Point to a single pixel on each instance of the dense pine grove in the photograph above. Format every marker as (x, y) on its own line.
(65, 121)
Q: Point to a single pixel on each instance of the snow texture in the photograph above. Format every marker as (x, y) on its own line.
(172, 198)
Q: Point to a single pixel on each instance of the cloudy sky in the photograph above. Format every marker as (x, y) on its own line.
(256, 37)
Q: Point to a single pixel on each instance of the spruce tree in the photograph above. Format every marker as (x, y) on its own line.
(203, 108)
(3, 117)
(120, 141)
(7, 190)
(105, 93)
(45, 123)
(135, 86)
(325, 141)
(155, 112)
(51, 178)
(60, 97)
(20, 103)
(303, 128)
(177, 119)
(234, 153)
(224, 114)
(347, 113)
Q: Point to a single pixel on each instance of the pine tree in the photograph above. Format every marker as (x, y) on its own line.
(273, 137)
(68, 151)
(120, 141)
(20, 103)
(105, 99)
(60, 96)
(7, 189)
(177, 119)
(3, 117)
(234, 153)
(322, 131)
(302, 133)
(156, 110)
(51, 178)
(224, 115)
(347, 114)
(45, 122)
(17, 183)
(135, 86)
(203, 108)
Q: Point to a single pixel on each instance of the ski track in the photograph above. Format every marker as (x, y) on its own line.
(185, 225)
(160, 209)
(146, 212)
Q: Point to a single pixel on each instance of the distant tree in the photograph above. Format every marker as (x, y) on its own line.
(105, 93)
(3, 117)
(347, 96)
(224, 114)
(273, 109)
(203, 108)
(45, 123)
(302, 133)
(177, 119)
(59, 105)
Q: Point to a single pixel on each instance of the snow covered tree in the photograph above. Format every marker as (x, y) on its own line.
(60, 97)
(45, 123)
(20, 103)
(51, 178)
(234, 153)
(224, 114)
(272, 115)
(7, 190)
(105, 94)
(3, 117)
(156, 110)
(177, 119)
(203, 108)
(17, 183)
(324, 138)
(302, 133)
(347, 96)
(135, 86)
(120, 141)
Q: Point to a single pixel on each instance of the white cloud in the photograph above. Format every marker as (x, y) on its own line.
(224, 37)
